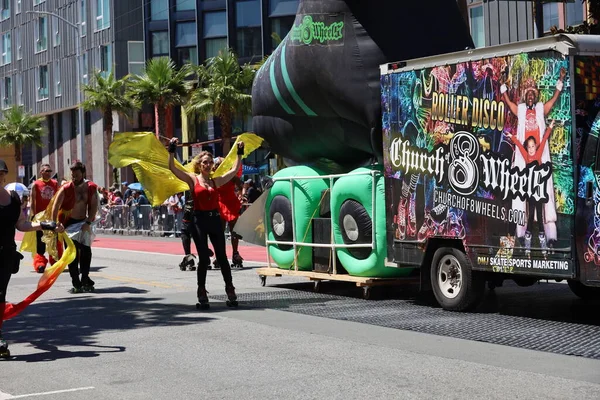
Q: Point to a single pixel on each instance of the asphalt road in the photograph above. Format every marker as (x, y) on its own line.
(139, 336)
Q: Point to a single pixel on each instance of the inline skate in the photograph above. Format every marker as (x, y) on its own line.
(237, 261)
(4, 351)
(87, 285)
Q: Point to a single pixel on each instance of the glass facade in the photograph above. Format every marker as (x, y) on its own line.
(550, 16)
(477, 25)
(574, 13)
(248, 29)
(160, 43)
(182, 5)
(159, 10)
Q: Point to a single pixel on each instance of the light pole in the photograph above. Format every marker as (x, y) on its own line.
(80, 150)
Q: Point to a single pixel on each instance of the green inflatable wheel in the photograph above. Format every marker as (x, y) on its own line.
(352, 222)
(279, 212)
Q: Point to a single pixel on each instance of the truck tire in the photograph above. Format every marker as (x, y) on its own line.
(455, 286)
(584, 292)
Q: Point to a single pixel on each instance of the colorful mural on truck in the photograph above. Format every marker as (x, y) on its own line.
(482, 151)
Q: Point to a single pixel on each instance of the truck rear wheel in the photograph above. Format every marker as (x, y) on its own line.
(455, 286)
(584, 292)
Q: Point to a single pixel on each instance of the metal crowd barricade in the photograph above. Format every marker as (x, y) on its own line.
(138, 220)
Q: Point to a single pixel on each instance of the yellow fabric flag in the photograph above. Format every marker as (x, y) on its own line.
(149, 159)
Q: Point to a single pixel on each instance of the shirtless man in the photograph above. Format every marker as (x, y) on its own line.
(75, 207)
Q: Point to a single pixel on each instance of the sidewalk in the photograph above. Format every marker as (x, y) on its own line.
(165, 245)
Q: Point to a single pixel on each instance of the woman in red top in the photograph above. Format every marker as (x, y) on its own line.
(230, 207)
(207, 217)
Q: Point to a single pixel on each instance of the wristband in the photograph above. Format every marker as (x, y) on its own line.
(559, 85)
(503, 89)
(48, 225)
(240, 151)
(172, 147)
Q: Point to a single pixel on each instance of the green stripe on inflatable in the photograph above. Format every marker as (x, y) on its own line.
(280, 99)
(290, 86)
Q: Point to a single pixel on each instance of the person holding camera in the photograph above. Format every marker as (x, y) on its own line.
(11, 219)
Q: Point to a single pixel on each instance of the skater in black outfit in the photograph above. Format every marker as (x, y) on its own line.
(11, 218)
(206, 216)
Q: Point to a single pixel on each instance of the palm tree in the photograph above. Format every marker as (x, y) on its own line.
(107, 95)
(19, 128)
(163, 85)
(223, 91)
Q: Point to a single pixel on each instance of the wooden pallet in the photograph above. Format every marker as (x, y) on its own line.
(365, 282)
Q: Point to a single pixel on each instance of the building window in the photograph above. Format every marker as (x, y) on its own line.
(182, 5)
(5, 12)
(56, 36)
(36, 2)
(550, 16)
(6, 92)
(248, 28)
(57, 79)
(84, 68)
(215, 33)
(105, 60)
(135, 57)
(18, 44)
(159, 10)
(476, 25)
(160, 44)
(279, 8)
(102, 14)
(574, 13)
(17, 6)
(6, 48)
(186, 40)
(19, 84)
(41, 34)
(280, 27)
(187, 55)
(42, 82)
(83, 17)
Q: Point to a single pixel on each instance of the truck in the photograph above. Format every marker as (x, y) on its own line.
(491, 171)
(489, 174)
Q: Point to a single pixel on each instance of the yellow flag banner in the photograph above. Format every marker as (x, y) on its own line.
(46, 281)
(149, 160)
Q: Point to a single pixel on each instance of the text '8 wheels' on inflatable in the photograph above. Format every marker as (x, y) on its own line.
(279, 211)
(352, 221)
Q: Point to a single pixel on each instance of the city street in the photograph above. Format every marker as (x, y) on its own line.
(139, 336)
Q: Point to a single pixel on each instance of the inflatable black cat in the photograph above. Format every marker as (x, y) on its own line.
(317, 97)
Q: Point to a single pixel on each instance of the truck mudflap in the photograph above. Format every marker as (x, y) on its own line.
(408, 253)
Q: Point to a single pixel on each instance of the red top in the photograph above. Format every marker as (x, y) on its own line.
(44, 191)
(69, 199)
(205, 199)
(539, 149)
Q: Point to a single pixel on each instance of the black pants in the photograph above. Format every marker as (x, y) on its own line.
(535, 207)
(7, 260)
(189, 233)
(82, 262)
(208, 225)
(40, 246)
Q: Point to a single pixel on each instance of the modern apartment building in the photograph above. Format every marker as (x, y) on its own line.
(495, 22)
(194, 30)
(38, 71)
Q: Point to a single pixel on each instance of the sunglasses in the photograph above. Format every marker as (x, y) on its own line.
(46, 170)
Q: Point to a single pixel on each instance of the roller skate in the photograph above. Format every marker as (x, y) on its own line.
(231, 296)
(543, 243)
(528, 243)
(39, 263)
(4, 352)
(88, 285)
(237, 261)
(203, 303)
(76, 290)
(187, 263)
